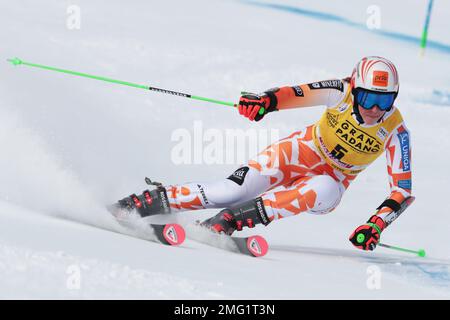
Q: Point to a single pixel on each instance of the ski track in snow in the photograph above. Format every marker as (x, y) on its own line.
(46, 275)
(423, 271)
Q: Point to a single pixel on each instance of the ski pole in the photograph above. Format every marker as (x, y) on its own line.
(393, 216)
(17, 61)
(420, 252)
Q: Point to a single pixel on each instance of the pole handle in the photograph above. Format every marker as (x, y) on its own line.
(262, 110)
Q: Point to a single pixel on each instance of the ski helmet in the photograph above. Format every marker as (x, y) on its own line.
(374, 75)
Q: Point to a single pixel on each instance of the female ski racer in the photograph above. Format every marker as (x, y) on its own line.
(309, 170)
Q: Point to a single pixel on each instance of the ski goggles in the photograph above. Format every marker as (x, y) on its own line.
(369, 99)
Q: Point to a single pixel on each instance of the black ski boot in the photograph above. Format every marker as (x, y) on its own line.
(147, 204)
(229, 220)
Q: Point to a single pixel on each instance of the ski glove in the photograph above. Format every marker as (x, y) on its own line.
(251, 104)
(367, 236)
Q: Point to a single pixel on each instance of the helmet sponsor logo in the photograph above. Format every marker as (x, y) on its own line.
(404, 147)
(357, 139)
(380, 78)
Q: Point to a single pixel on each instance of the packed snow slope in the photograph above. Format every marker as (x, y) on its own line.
(70, 145)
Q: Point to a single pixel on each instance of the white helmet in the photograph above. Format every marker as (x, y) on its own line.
(375, 74)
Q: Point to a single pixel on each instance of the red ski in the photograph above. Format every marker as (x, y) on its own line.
(171, 234)
(254, 246)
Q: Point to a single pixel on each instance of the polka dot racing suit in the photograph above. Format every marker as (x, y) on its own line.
(310, 170)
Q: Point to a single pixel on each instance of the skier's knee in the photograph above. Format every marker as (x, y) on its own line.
(329, 193)
(225, 193)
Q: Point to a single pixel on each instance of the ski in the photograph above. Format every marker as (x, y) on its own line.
(134, 225)
(254, 246)
(171, 234)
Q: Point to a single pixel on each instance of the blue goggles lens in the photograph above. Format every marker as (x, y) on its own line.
(368, 100)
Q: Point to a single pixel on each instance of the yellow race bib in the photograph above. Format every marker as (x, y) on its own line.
(345, 144)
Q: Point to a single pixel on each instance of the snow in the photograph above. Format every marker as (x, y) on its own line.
(71, 145)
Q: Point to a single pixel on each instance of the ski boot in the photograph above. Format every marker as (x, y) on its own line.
(147, 204)
(229, 220)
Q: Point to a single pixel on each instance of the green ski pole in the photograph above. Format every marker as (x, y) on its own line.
(420, 252)
(392, 217)
(17, 61)
(423, 41)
